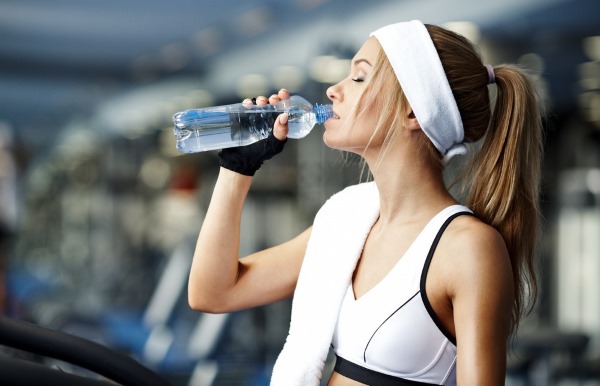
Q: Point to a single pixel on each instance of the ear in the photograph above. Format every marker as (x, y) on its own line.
(411, 122)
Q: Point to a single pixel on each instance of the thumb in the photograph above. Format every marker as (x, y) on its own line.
(280, 129)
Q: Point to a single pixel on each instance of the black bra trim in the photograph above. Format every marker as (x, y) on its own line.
(370, 377)
(382, 323)
(428, 306)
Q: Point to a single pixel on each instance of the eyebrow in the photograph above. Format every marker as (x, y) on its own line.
(358, 61)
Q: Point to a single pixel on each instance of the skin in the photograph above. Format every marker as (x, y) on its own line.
(469, 283)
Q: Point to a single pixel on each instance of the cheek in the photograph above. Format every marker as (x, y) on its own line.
(346, 137)
(351, 134)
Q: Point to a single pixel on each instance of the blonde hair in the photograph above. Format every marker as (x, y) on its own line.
(503, 178)
(380, 95)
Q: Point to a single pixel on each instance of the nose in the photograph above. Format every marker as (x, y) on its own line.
(334, 93)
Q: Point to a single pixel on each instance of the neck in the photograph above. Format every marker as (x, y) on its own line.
(410, 188)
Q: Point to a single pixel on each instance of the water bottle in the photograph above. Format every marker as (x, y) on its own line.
(219, 127)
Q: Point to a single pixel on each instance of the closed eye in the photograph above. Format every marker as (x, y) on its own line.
(358, 80)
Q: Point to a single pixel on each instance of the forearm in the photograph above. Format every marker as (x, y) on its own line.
(215, 266)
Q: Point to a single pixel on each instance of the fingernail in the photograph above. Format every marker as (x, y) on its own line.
(283, 118)
(283, 89)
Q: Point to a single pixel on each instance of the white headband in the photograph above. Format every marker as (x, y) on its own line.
(419, 70)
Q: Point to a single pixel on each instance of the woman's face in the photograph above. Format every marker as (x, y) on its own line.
(347, 131)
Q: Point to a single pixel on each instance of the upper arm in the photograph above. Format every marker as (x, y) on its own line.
(482, 299)
(267, 276)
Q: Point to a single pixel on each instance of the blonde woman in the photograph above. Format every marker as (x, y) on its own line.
(407, 285)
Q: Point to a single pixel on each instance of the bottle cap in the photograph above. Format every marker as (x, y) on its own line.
(323, 112)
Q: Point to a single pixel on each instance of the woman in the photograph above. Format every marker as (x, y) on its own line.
(405, 284)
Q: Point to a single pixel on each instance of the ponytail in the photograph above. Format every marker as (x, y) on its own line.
(504, 177)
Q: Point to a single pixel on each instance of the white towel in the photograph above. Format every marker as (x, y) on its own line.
(338, 235)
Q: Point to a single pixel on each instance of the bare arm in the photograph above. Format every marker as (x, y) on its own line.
(219, 281)
(482, 302)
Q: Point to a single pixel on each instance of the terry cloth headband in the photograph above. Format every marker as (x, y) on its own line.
(419, 70)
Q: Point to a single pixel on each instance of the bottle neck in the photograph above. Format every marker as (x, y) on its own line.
(322, 112)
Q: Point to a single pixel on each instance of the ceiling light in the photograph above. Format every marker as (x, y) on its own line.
(252, 85)
(590, 105)
(199, 98)
(589, 75)
(288, 77)
(534, 63)
(591, 47)
(593, 180)
(329, 69)
(467, 29)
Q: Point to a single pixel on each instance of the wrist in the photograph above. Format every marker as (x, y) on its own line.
(232, 187)
(236, 179)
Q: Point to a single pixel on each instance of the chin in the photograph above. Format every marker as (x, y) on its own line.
(330, 141)
(337, 143)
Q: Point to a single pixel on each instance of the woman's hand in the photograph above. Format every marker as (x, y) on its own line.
(247, 160)
(280, 130)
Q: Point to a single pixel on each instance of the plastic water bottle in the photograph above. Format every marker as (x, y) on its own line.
(219, 127)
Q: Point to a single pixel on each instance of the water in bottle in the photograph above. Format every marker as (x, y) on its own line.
(219, 127)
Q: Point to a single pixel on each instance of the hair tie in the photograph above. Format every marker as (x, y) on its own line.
(491, 74)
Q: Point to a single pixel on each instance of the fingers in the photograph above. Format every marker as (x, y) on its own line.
(261, 101)
(282, 95)
(280, 129)
(273, 99)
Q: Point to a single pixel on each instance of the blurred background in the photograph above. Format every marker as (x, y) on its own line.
(99, 212)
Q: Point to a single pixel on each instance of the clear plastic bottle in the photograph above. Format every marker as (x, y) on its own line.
(220, 127)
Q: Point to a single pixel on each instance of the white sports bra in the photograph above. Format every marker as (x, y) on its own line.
(390, 335)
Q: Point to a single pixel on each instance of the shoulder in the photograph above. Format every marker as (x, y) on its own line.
(473, 235)
(476, 255)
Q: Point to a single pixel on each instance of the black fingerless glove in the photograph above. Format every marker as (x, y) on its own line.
(247, 160)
